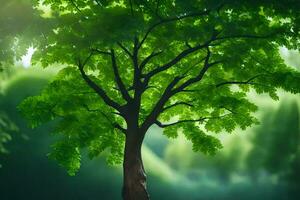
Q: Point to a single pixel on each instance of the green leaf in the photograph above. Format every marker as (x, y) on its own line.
(67, 154)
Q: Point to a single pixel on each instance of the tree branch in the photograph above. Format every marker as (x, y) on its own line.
(137, 71)
(148, 58)
(172, 19)
(177, 104)
(100, 52)
(125, 49)
(240, 82)
(95, 87)
(118, 126)
(199, 77)
(178, 18)
(118, 79)
(174, 61)
(150, 119)
(115, 125)
(161, 125)
(179, 57)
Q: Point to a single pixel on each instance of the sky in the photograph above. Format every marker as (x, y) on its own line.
(26, 59)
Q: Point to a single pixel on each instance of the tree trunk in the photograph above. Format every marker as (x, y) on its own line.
(134, 180)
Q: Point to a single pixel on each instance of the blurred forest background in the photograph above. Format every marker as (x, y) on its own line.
(262, 162)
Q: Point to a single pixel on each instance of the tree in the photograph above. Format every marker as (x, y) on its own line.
(185, 66)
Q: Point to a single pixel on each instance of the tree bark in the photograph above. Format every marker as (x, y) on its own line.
(134, 177)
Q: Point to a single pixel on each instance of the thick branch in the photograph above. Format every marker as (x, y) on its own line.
(137, 70)
(118, 79)
(97, 88)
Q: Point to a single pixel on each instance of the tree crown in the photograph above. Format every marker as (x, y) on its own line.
(185, 66)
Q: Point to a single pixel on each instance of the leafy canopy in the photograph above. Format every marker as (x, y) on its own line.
(185, 66)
